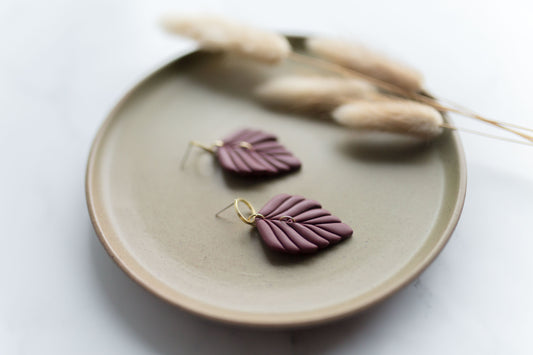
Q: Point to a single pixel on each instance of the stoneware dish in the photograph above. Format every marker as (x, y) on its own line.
(157, 221)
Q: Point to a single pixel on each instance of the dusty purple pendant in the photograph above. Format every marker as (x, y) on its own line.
(296, 225)
(253, 152)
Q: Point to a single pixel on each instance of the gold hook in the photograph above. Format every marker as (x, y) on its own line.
(248, 220)
(210, 149)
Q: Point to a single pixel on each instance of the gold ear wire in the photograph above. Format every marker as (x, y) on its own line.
(210, 149)
(248, 220)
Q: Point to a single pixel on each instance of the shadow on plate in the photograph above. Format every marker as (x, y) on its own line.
(236, 182)
(384, 147)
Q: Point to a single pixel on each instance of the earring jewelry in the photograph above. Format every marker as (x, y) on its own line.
(250, 153)
(293, 224)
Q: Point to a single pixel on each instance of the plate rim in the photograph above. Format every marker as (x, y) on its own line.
(263, 320)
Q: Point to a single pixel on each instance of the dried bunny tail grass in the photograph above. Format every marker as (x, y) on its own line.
(366, 61)
(218, 34)
(313, 92)
(392, 88)
(396, 116)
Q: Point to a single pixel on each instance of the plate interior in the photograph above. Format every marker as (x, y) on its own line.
(401, 198)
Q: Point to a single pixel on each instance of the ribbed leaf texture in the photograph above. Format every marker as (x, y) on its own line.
(251, 152)
(296, 225)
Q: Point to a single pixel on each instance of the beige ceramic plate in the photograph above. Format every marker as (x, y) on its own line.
(157, 221)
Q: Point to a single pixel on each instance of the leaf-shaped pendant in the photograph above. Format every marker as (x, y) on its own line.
(295, 225)
(253, 152)
(250, 153)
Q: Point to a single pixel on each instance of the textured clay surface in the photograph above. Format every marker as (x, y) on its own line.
(296, 225)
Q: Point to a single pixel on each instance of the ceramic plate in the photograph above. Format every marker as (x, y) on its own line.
(157, 221)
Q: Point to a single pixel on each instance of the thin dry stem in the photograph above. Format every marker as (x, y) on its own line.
(471, 113)
(447, 126)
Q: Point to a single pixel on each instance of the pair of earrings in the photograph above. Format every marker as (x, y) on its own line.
(287, 223)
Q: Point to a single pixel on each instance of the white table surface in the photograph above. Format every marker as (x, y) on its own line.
(63, 65)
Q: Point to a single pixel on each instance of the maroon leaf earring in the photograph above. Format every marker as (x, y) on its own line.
(250, 153)
(293, 224)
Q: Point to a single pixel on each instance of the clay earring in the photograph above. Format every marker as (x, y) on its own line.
(250, 153)
(293, 224)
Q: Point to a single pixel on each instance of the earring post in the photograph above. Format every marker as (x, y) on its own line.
(185, 156)
(199, 145)
(225, 208)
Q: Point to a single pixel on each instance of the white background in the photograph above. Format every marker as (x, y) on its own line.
(63, 65)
